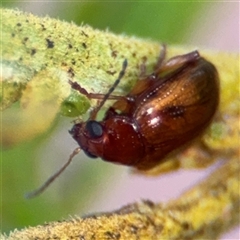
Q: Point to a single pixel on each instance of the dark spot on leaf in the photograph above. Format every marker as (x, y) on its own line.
(84, 34)
(43, 27)
(33, 51)
(111, 72)
(25, 40)
(134, 229)
(71, 72)
(114, 53)
(113, 235)
(50, 44)
(186, 225)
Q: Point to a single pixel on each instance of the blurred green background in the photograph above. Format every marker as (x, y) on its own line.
(26, 166)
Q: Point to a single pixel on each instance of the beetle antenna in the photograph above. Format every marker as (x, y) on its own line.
(53, 177)
(121, 74)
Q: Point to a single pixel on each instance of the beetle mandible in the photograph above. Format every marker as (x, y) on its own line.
(163, 112)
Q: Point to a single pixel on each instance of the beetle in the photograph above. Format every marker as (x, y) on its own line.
(162, 113)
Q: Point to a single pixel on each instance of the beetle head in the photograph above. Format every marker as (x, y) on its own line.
(90, 137)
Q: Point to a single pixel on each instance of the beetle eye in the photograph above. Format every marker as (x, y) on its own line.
(94, 128)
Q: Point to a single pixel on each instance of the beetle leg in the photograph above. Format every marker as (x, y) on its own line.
(143, 70)
(161, 57)
(110, 113)
(76, 86)
(143, 73)
(103, 97)
(177, 62)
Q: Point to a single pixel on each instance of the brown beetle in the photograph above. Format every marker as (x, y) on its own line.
(163, 112)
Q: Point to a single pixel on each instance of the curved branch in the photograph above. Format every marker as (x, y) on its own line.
(204, 212)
